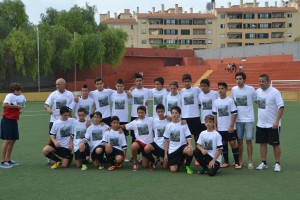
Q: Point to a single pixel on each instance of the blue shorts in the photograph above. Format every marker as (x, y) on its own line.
(9, 129)
(245, 128)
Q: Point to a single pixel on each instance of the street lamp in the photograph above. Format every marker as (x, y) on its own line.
(38, 52)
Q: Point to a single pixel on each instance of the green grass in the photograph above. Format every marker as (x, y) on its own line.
(34, 180)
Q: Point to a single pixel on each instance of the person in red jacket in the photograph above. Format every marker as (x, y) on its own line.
(12, 106)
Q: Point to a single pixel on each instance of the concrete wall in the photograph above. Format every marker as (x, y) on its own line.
(260, 50)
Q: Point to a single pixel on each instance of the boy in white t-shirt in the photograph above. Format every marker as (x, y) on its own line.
(159, 94)
(178, 143)
(173, 98)
(60, 148)
(115, 144)
(209, 148)
(225, 113)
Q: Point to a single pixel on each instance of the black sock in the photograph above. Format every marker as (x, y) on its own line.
(235, 153)
(277, 163)
(54, 157)
(150, 157)
(110, 159)
(188, 160)
(83, 158)
(225, 153)
(265, 162)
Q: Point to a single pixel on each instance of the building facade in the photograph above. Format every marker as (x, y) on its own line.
(237, 25)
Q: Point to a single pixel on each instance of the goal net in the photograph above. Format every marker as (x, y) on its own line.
(290, 89)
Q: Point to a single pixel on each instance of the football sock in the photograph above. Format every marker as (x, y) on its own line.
(52, 156)
(225, 153)
(235, 153)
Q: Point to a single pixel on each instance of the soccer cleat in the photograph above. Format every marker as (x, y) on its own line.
(152, 167)
(224, 165)
(101, 167)
(277, 167)
(126, 159)
(111, 168)
(135, 167)
(238, 166)
(262, 166)
(250, 166)
(5, 165)
(118, 165)
(188, 170)
(13, 163)
(48, 162)
(55, 165)
(84, 167)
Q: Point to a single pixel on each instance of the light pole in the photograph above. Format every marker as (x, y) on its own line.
(75, 73)
(38, 51)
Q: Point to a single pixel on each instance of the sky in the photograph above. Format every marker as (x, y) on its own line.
(34, 8)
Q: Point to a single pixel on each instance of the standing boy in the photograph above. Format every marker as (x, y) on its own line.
(159, 94)
(225, 113)
(244, 96)
(12, 106)
(270, 110)
(173, 98)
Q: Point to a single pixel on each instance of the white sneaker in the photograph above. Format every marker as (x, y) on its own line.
(262, 166)
(250, 166)
(277, 168)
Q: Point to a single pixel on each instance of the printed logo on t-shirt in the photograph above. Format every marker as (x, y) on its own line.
(21, 103)
(207, 104)
(138, 100)
(114, 141)
(158, 99)
(103, 101)
(160, 131)
(120, 104)
(143, 129)
(241, 100)
(208, 145)
(175, 136)
(261, 103)
(188, 99)
(60, 103)
(223, 111)
(96, 135)
(86, 107)
(80, 133)
(65, 131)
(171, 104)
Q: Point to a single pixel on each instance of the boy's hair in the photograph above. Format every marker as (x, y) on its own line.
(142, 108)
(265, 76)
(222, 84)
(120, 81)
(210, 117)
(96, 113)
(177, 108)
(175, 83)
(113, 118)
(160, 106)
(82, 110)
(98, 79)
(15, 86)
(64, 109)
(186, 77)
(242, 74)
(160, 80)
(85, 86)
(205, 81)
(138, 75)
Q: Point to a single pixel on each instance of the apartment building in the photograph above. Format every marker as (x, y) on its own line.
(236, 25)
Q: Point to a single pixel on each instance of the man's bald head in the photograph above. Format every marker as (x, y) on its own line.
(60, 85)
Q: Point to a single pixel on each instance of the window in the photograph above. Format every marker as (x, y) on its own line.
(170, 41)
(222, 16)
(144, 41)
(262, 35)
(266, 25)
(209, 41)
(249, 44)
(250, 35)
(185, 21)
(222, 46)
(185, 32)
(171, 21)
(289, 35)
(143, 21)
(264, 15)
(209, 31)
(131, 27)
(222, 35)
(185, 41)
(289, 15)
(117, 26)
(209, 21)
(290, 25)
(143, 31)
(170, 31)
(249, 16)
(222, 26)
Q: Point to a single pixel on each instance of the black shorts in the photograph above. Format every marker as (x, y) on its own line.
(175, 158)
(61, 152)
(87, 152)
(228, 136)
(267, 135)
(107, 120)
(124, 130)
(159, 152)
(118, 152)
(194, 125)
(50, 127)
(95, 155)
(9, 129)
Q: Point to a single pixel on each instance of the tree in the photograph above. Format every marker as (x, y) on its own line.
(297, 39)
(14, 13)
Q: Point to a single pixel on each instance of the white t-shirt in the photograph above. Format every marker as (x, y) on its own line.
(62, 130)
(269, 101)
(94, 135)
(87, 104)
(79, 130)
(244, 98)
(159, 97)
(139, 98)
(13, 99)
(206, 101)
(212, 142)
(56, 100)
(224, 109)
(120, 106)
(115, 139)
(190, 102)
(159, 127)
(143, 129)
(172, 101)
(102, 101)
(177, 134)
